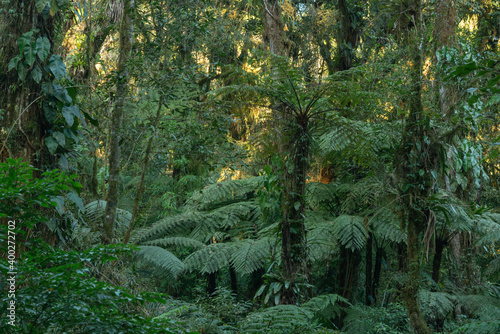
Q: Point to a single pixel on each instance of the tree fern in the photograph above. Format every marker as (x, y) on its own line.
(164, 262)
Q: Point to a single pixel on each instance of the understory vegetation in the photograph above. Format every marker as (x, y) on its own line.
(271, 166)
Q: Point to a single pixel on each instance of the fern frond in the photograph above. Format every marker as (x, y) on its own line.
(222, 192)
(224, 218)
(486, 308)
(326, 307)
(478, 327)
(249, 255)
(386, 225)
(278, 319)
(488, 226)
(164, 262)
(436, 304)
(176, 241)
(209, 259)
(321, 241)
(94, 211)
(350, 231)
(173, 225)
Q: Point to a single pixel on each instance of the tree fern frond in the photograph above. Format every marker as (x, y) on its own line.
(488, 226)
(223, 218)
(486, 308)
(479, 327)
(94, 211)
(317, 192)
(386, 225)
(223, 191)
(278, 319)
(173, 225)
(326, 307)
(249, 255)
(350, 231)
(493, 267)
(209, 259)
(175, 241)
(164, 262)
(436, 304)
(321, 241)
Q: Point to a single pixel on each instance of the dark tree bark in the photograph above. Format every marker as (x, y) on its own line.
(234, 280)
(20, 101)
(211, 283)
(116, 120)
(376, 272)
(369, 298)
(436, 263)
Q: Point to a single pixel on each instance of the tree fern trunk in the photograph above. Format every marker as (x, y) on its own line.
(293, 233)
(116, 120)
(376, 272)
(369, 298)
(234, 281)
(436, 263)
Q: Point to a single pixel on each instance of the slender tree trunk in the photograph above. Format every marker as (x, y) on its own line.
(376, 271)
(116, 120)
(234, 280)
(211, 283)
(140, 187)
(436, 263)
(369, 298)
(293, 233)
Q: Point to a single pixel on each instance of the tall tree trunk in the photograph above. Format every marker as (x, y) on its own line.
(117, 118)
(140, 187)
(293, 233)
(416, 184)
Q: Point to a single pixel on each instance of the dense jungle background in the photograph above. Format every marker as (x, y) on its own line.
(250, 166)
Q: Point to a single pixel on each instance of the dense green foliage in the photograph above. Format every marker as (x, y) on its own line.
(250, 166)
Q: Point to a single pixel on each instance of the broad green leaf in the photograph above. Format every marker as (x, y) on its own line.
(13, 62)
(68, 115)
(57, 67)
(22, 70)
(50, 112)
(51, 144)
(36, 74)
(42, 48)
(60, 138)
(22, 42)
(30, 53)
(40, 4)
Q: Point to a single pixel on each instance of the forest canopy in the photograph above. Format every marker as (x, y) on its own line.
(267, 166)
